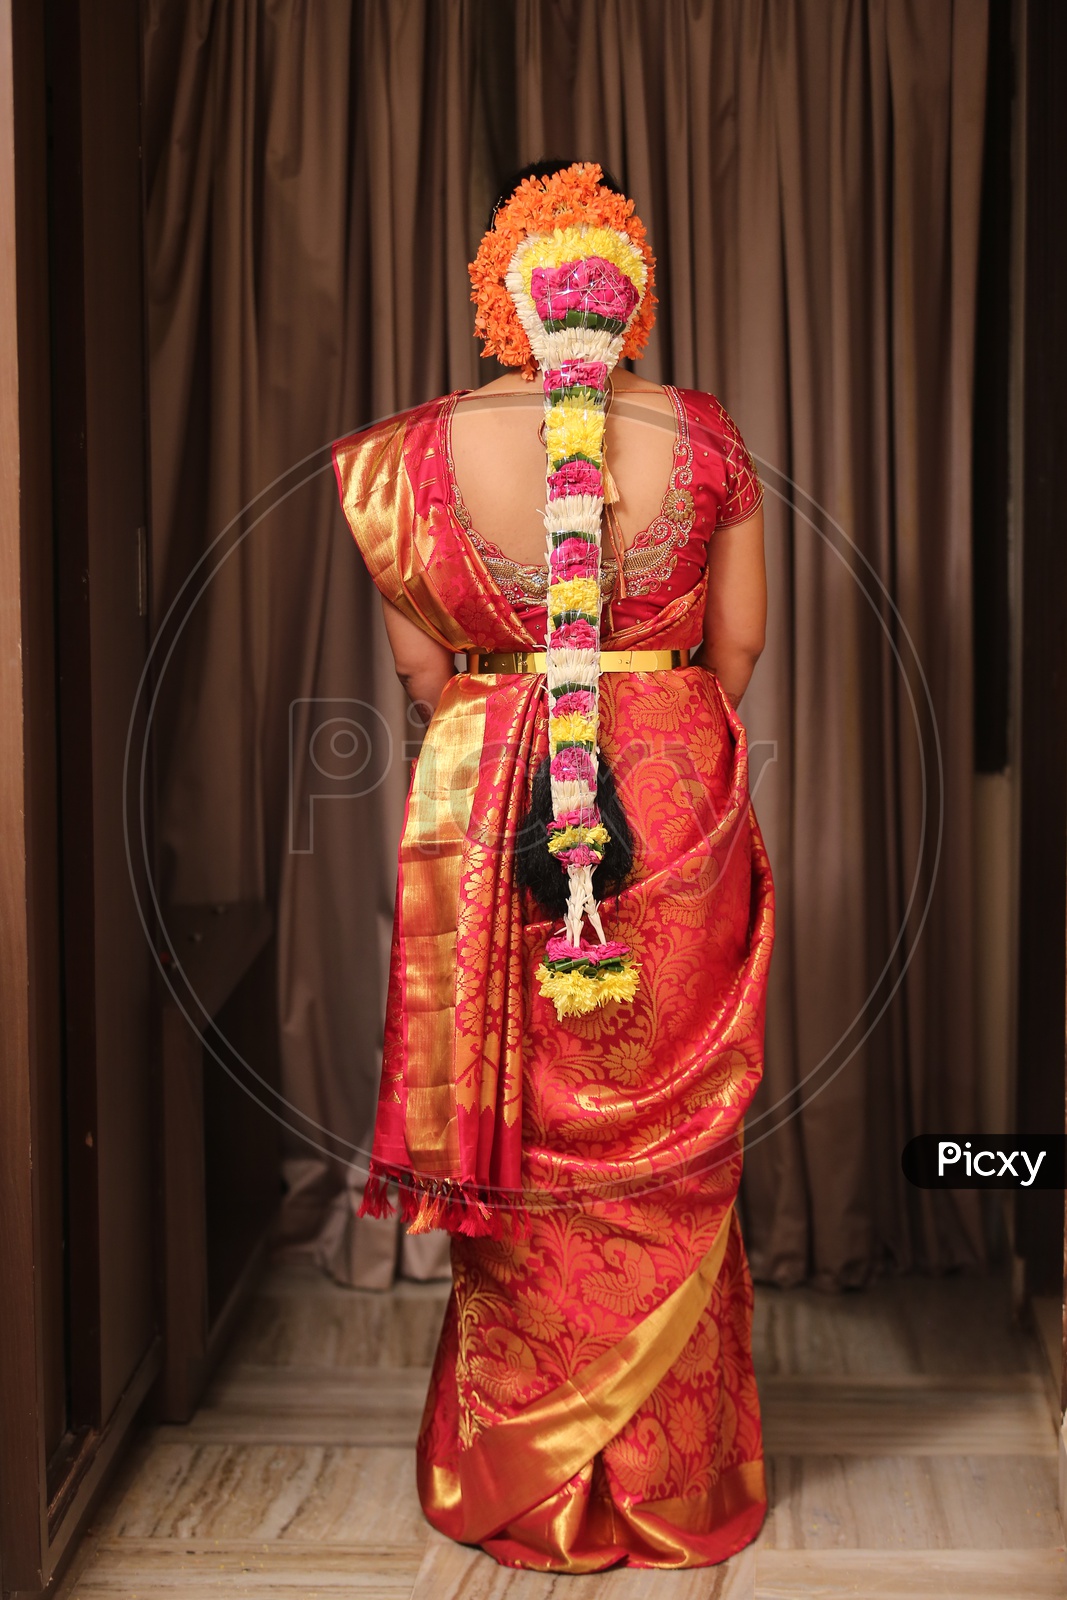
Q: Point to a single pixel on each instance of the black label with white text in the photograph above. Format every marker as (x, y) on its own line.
(1000, 1161)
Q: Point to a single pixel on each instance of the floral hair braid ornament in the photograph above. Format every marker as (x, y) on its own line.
(563, 284)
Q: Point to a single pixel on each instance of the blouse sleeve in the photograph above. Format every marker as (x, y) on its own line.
(382, 482)
(744, 491)
(379, 507)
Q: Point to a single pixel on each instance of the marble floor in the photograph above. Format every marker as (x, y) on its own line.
(909, 1434)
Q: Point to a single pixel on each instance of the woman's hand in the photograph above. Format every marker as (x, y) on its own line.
(735, 613)
(422, 665)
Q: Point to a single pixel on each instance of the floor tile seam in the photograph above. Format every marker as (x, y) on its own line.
(842, 1554)
(893, 1451)
(243, 1440)
(233, 1434)
(917, 1383)
(272, 1369)
(194, 1545)
(1007, 1456)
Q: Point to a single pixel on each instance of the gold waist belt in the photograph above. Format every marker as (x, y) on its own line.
(480, 662)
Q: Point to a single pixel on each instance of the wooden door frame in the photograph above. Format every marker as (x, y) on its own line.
(43, 1503)
(1042, 614)
(1041, 653)
(29, 926)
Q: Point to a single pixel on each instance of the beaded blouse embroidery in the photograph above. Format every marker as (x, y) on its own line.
(742, 480)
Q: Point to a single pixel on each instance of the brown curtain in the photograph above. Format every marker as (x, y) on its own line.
(317, 180)
(310, 179)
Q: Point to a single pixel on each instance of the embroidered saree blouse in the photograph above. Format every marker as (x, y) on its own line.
(667, 557)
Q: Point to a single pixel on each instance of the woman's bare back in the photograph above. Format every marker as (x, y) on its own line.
(499, 459)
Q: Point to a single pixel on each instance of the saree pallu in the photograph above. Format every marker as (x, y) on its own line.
(592, 1398)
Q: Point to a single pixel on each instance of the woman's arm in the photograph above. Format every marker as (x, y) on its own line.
(422, 665)
(735, 613)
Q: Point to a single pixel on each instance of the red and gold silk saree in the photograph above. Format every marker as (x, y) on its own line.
(592, 1400)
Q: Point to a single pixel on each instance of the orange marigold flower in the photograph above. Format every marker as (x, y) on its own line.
(562, 200)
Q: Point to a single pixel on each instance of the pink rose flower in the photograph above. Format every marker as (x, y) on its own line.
(573, 765)
(574, 558)
(579, 700)
(579, 855)
(574, 819)
(613, 950)
(558, 949)
(589, 374)
(591, 285)
(575, 477)
(578, 635)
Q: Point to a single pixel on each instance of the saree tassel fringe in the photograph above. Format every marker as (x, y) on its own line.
(428, 1203)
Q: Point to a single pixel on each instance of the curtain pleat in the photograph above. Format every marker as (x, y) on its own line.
(309, 199)
(810, 179)
(317, 179)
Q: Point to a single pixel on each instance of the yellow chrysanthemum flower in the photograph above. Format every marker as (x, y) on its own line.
(578, 834)
(574, 594)
(571, 728)
(573, 430)
(618, 985)
(574, 994)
